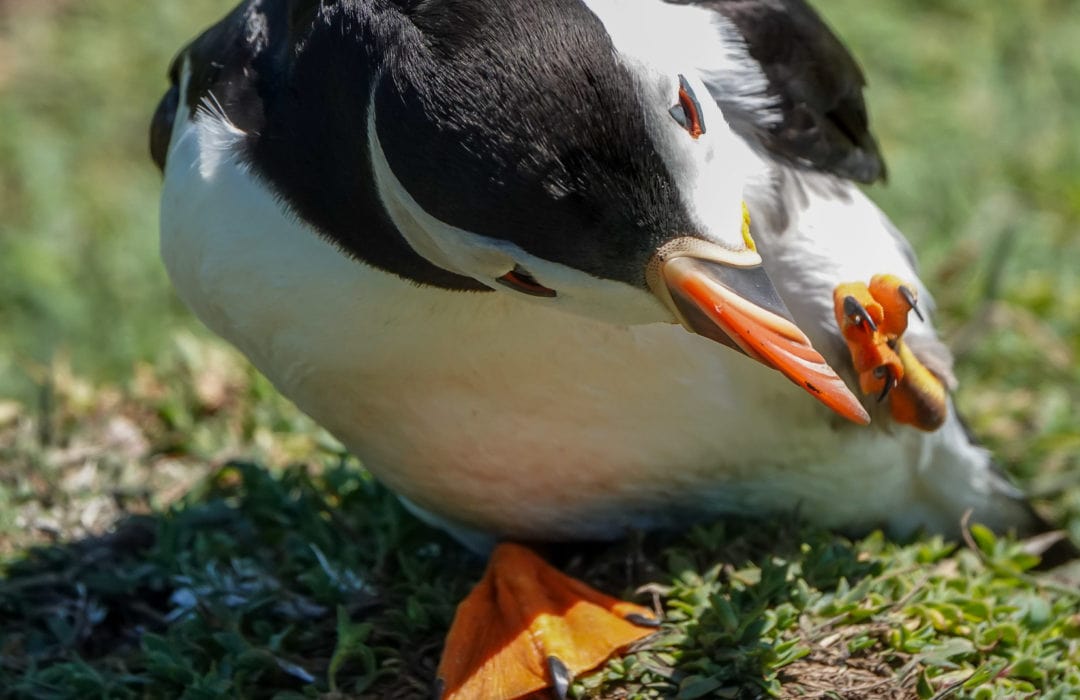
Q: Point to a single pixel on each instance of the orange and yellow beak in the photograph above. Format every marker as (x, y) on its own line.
(727, 297)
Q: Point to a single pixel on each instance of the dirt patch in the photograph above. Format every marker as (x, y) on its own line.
(820, 676)
(831, 671)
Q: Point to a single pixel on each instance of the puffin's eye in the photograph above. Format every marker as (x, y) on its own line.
(688, 111)
(520, 280)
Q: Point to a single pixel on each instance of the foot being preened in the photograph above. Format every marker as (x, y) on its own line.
(873, 319)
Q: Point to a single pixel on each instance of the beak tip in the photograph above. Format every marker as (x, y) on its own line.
(740, 305)
(848, 406)
(825, 385)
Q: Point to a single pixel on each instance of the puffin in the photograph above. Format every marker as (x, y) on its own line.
(560, 270)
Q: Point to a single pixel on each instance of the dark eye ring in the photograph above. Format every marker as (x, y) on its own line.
(688, 111)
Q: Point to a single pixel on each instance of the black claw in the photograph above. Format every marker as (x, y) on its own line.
(857, 313)
(560, 677)
(884, 371)
(438, 690)
(642, 621)
(909, 296)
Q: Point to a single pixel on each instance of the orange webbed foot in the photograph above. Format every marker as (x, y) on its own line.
(527, 626)
(873, 319)
(862, 322)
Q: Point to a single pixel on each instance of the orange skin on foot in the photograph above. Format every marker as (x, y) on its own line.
(880, 355)
(868, 344)
(885, 289)
(522, 612)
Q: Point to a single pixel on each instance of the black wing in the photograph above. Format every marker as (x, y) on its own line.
(814, 82)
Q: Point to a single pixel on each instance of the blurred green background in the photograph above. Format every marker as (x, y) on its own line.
(976, 104)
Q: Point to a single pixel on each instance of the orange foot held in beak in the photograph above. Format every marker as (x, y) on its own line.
(527, 626)
(873, 320)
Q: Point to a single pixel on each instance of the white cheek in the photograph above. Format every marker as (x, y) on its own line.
(485, 259)
(591, 297)
(446, 246)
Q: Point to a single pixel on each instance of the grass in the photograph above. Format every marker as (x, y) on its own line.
(170, 527)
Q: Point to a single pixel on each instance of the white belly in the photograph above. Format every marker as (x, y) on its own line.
(503, 416)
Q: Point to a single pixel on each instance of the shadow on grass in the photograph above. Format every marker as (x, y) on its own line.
(261, 585)
(298, 584)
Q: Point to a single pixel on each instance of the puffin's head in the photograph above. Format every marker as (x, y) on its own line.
(531, 147)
